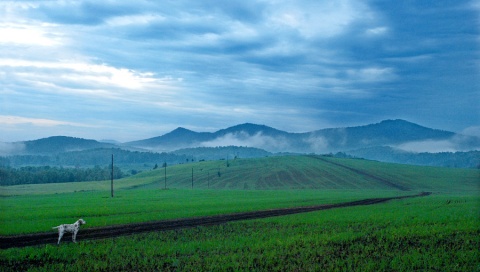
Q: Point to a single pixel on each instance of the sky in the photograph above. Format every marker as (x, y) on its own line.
(131, 70)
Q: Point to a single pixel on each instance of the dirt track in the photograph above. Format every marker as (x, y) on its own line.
(121, 230)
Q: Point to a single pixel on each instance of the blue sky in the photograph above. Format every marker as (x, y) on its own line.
(129, 70)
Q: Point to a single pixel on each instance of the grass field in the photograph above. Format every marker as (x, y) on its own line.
(437, 232)
(279, 173)
(38, 213)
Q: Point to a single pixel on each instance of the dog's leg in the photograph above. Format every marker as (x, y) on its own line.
(74, 235)
(60, 235)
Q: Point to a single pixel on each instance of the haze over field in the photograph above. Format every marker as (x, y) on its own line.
(126, 70)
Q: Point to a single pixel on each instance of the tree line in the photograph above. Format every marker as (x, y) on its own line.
(48, 174)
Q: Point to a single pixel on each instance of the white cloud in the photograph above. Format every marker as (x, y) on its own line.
(318, 144)
(317, 19)
(28, 35)
(11, 148)
(40, 122)
(377, 31)
(430, 146)
(371, 74)
(244, 139)
(473, 130)
(136, 19)
(83, 78)
(454, 144)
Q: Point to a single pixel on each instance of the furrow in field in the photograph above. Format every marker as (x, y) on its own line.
(365, 174)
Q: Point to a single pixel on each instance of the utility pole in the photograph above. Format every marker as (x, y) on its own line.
(165, 175)
(112, 176)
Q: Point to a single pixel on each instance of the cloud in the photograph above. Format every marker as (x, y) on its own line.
(15, 120)
(371, 74)
(257, 140)
(25, 35)
(314, 20)
(376, 31)
(317, 144)
(11, 148)
(430, 146)
(90, 80)
(472, 130)
(324, 62)
(456, 143)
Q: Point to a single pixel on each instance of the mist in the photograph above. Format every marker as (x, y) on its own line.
(454, 144)
(11, 148)
(258, 140)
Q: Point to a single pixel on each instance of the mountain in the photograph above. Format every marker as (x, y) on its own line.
(178, 138)
(390, 140)
(251, 130)
(386, 133)
(58, 144)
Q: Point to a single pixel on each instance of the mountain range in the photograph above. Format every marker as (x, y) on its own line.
(386, 140)
(394, 133)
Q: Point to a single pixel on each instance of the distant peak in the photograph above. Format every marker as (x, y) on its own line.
(181, 129)
(395, 121)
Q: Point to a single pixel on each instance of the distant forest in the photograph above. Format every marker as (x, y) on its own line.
(76, 166)
(92, 157)
(47, 174)
(102, 156)
(469, 159)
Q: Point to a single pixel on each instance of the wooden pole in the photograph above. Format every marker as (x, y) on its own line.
(112, 176)
(165, 175)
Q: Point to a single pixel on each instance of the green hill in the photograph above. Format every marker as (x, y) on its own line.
(281, 173)
(308, 172)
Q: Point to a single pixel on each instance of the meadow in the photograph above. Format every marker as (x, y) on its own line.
(439, 232)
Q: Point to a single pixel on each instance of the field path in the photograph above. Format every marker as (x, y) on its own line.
(128, 229)
(364, 173)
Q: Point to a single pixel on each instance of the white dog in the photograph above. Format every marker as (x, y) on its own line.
(71, 228)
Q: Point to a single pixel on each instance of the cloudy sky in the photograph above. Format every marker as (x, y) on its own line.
(129, 70)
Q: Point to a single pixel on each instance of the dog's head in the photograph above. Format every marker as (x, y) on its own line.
(82, 222)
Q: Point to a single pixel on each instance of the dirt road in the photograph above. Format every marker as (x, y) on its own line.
(121, 230)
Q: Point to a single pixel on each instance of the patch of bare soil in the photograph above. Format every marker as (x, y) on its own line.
(128, 229)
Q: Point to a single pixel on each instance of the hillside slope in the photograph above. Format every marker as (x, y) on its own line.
(282, 173)
(308, 172)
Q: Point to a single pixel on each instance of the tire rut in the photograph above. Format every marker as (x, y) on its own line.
(366, 174)
(129, 229)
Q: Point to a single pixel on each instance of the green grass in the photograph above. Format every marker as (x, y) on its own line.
(38, 213)
(281, 173)
(437, 232)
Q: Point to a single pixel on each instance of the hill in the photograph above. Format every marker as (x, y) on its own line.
(283, 173)
(57, 144)
(308, 172)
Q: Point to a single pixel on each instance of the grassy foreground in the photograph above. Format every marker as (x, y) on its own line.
(38, 213)
(438, 233)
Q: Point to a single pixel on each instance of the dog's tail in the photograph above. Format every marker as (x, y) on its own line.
(56, 227)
